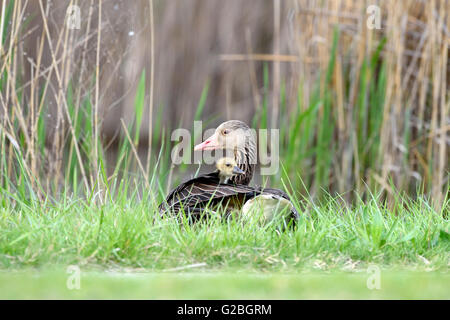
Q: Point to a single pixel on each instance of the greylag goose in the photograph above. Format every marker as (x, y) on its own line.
(223, 187)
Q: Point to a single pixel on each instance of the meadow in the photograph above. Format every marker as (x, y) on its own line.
(331, 249)
(363, 153)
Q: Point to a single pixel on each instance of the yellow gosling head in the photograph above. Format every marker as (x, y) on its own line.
(227, 168)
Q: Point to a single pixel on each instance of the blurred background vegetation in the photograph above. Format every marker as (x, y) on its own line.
(92, 109)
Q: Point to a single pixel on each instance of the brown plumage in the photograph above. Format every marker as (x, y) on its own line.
(206, 191)
(209, 191)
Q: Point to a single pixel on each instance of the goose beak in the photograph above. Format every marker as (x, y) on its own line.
(237, 170)
(209, 144)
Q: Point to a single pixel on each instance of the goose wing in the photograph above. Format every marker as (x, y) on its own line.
(202, 190)
(186, 187)
(203, 194)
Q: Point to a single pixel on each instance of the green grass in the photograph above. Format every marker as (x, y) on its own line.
(125, 250)
(127, 232)
(206, 285)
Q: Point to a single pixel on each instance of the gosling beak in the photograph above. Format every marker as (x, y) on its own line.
(237, 170)
(209, 144)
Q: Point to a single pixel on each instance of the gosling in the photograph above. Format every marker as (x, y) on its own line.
(227, 168)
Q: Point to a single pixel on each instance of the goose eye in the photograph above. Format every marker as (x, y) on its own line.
(225, 132)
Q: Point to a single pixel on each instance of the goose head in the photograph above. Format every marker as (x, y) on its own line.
(227, 168)
(236, 138)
